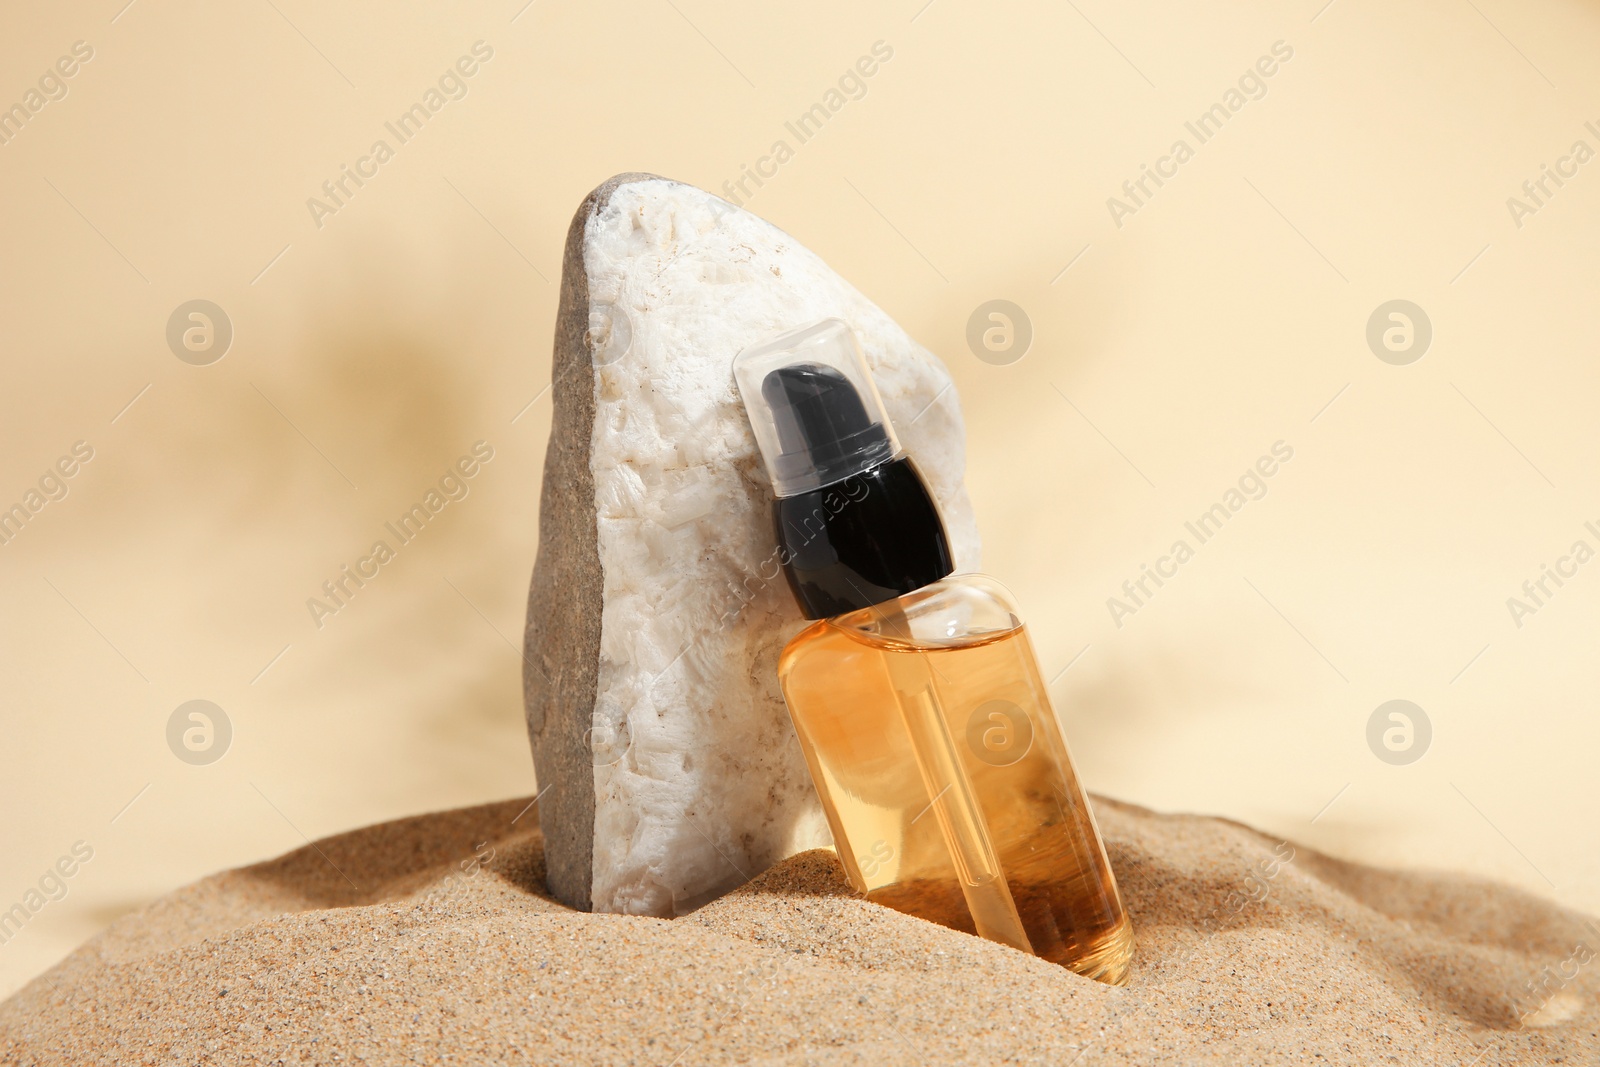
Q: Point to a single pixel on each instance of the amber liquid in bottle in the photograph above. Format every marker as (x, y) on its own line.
(945, 777)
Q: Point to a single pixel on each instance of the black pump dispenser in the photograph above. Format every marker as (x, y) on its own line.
(855, 522)
(822, 423)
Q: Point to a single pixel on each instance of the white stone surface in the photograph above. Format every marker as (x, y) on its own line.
(708, 785)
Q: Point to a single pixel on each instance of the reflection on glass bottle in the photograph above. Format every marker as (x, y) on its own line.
(916, 697)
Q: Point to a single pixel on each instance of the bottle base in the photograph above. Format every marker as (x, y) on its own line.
(1108, 958)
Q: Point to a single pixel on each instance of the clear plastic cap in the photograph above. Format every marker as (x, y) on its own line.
(816, 414)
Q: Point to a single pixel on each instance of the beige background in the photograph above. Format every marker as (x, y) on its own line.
(1228, 313)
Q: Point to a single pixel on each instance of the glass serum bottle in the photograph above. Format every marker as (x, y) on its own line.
(916, 695)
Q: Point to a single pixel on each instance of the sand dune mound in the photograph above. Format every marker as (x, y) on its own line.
(429, 940)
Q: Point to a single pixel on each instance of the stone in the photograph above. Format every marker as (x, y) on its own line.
(667, 767)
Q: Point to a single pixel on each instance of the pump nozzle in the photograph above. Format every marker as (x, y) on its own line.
(823, 427)
(815, 411)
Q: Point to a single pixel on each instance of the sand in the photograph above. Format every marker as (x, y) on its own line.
(430, 940)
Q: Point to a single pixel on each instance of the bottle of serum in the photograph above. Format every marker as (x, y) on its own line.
(916, 696)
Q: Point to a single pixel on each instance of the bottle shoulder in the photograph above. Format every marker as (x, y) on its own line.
(955, 612)
(973, 587)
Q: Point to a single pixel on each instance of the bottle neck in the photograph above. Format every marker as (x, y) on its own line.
(861, 541)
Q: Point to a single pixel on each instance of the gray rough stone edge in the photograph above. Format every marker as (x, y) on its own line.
(561, 660)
